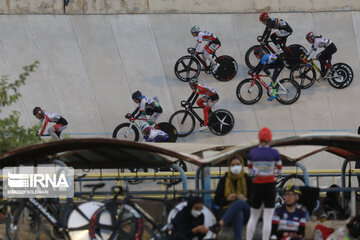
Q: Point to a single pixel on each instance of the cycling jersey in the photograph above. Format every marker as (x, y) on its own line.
(207, 37)
(205, 90)
(147, 106)
(319, 42)
(276, 23)
(262, 161)
(268, 59)
(156, 136)
(284, 221)
(61, 123)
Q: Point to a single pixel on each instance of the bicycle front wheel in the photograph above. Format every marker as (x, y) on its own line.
(125, 132)
(250, 59)
(288, 91)
(304, 75)
(249, 91)
(184, 122)
(187, 67)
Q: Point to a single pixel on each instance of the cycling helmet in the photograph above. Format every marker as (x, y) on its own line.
(145, 127)
(265, 135)
(258, 51)
(136, 95)
(310, 35)
(195, 29)
(193, 81)
(37, 110)
(292, 188)
(263, 16)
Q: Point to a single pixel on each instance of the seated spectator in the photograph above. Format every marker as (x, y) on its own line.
(189, 222)
(232, 194)
(332, 206)
(289, 220)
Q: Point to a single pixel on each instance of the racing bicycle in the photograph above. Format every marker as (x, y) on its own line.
(190, 66)
(131, 131)
(290, 55)
(221, 121)
(249, 91)
(339, 75)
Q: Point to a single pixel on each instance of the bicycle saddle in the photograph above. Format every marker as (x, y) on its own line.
(95, 185)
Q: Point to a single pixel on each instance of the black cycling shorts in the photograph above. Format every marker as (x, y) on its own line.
(263, 193)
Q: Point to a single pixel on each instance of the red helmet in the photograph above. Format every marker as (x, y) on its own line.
(38, 111)
(265, 135)
(263, 16)
(310, 35)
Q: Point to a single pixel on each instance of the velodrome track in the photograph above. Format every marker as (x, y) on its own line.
(90, 65)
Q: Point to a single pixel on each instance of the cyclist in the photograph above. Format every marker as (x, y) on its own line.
(283, 30)
(289, 220)
(146, 106)
(268, 61)
(207, 101)
(45, 118)
(325, 55)
(212, 45)
(151, 134)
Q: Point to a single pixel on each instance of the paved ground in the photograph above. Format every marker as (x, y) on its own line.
(91, 64)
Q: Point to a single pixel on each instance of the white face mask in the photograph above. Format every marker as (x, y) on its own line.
(236, 169)
(195, 213)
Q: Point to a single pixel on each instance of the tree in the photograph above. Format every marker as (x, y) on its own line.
(12, 135)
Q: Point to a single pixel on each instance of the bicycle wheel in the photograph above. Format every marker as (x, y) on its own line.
(124, 132)
(22, 222)
(289, 92)
(292, 55)
(227, 69)
(169, 129)
(183, 121)
(250, 59)
(187, 67)
(341, 75)
(249, 91)
(221, 122)
(304, 75)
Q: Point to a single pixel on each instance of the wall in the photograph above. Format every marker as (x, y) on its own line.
(172, 6)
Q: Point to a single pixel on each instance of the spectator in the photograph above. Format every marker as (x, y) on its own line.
(289, 220)
(262, 161)
(232, 194)
(189, 222)
(332, 207)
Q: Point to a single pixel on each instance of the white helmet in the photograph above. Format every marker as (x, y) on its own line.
(195, 29)
(144, 126)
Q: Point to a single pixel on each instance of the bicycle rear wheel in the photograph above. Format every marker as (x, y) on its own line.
(183, 121)
(169, 129)
(341, 75)
(221, 122)
(227, 69)
(249, 91)
(304, 75)
(187, 67)
(125, 132)
(289, 92)
(21, 222)
(250, 59)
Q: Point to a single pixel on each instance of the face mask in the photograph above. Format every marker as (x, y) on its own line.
(236, 169)
(195, 213)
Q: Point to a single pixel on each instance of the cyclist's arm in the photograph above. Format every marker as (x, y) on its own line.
(198, 42)
(258, 68)
(265, 36)
(193, 97)
(134, 112)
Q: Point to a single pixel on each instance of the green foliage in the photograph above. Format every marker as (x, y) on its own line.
(13, 135)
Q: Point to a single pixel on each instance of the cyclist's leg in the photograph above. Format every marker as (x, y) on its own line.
(200, 103)
(209, 50)
(56, 128)
(153, 117)
(278, 36)
(210, 103)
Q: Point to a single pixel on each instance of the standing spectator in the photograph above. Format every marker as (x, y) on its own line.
(189, 222)
(232, 194)
(262, 161)
(289, 220)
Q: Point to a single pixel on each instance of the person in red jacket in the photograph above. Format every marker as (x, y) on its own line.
(262, 163)
(207, 101)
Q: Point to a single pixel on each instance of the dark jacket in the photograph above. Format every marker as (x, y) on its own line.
(184, 222)
(220, 199)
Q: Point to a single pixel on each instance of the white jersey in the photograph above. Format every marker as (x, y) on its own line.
(148, 103)
(203, 36)
(318, 43)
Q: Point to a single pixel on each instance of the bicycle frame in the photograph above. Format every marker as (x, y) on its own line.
(134, 123)
(262, 82)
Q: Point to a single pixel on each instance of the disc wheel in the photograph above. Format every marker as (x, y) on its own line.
(341, 75)
(169, 129)
(186, 68)
(249, 91)
(221, 122)
(125, 132)
(289, 92)
(227, 69)
(183, 121)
